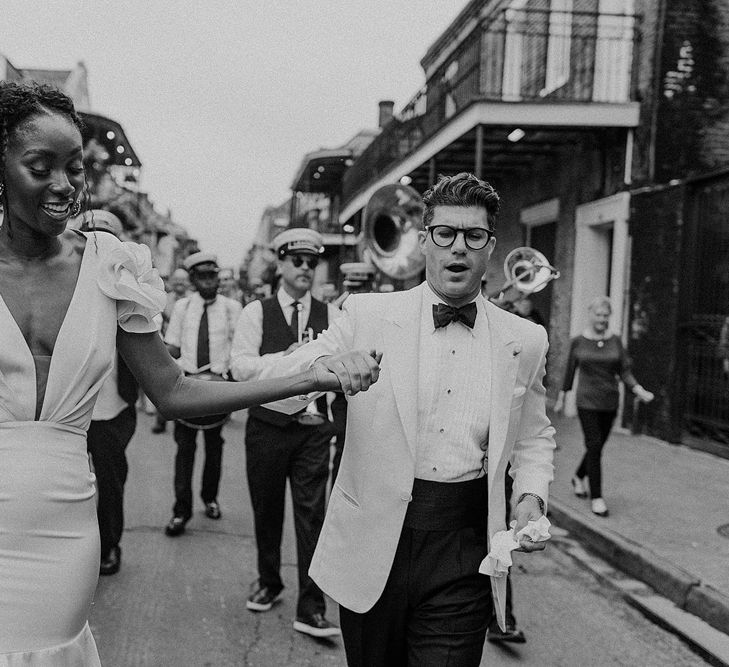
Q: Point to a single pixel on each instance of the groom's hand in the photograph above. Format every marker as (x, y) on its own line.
(527, 510)
(350, 372)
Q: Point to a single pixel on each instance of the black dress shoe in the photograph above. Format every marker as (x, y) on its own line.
(176, 526)
(111, 563)
(511, 634)
(261, 599)
(316, 626)
(212, 510)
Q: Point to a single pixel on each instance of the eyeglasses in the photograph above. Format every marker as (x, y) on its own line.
(298, 261)
(205, 275)
(444, 236)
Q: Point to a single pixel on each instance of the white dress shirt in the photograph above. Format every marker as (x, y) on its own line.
(246, 362)
(454, 394)
(182, 331)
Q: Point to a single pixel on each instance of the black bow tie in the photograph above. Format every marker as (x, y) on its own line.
(443, 314)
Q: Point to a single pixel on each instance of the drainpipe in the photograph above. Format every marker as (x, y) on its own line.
(657, 69)
(478, 166)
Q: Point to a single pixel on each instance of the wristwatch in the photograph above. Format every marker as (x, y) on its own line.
(533, 495)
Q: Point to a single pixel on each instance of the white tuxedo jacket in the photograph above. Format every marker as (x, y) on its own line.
(367, 507)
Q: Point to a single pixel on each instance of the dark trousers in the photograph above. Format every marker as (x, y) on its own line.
(301, 454)
(107, 442)
(596, 426)
(186, 439)
(436, 606)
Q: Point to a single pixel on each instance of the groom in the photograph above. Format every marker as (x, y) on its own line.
(420, 490)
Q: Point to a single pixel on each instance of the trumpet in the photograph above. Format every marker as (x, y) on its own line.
(310, 416)
(527, 271)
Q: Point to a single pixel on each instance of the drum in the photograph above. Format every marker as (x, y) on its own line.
(208, 421)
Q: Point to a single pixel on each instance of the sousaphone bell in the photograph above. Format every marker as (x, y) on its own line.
(392, 219)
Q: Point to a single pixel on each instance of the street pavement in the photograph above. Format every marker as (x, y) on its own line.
(667, 503)
(181, 601)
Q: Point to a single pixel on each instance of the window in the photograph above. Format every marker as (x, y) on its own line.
(558, 46)
(614, 51)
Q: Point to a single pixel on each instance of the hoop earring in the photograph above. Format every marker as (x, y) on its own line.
(75, 208)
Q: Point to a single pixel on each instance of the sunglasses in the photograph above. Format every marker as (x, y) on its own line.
(204, 275)
(298, 261)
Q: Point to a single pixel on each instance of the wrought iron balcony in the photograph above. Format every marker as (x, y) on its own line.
(513, 56)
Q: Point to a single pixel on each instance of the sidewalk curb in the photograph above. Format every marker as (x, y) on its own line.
(682, 588)
(711, 644)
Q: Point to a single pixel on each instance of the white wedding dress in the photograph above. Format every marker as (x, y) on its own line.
(49, 538)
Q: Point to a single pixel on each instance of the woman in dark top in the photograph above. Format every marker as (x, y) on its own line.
(601, 359)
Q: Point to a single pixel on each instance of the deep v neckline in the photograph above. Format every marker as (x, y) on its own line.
(23, 343)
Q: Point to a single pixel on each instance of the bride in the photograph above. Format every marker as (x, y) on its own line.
(67, 300)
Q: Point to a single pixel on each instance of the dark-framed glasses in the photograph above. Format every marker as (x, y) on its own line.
(476, 238)
(298, 261)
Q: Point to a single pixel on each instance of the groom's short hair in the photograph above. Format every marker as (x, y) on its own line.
(463, 189)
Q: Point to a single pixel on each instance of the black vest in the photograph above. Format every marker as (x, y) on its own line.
(276, 337)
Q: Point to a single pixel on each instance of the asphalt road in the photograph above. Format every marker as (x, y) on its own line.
(181, 601)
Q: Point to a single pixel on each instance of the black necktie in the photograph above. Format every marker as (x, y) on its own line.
(295, 320)
(444, 314)
(203, 340)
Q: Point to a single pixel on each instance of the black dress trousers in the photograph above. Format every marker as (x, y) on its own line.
(186, 439)
(107, 441)
(436, 606)
(301, 455)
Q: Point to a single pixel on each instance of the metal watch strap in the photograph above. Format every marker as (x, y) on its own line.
(533, 495)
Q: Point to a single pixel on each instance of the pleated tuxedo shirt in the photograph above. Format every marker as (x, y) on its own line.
(454, 395)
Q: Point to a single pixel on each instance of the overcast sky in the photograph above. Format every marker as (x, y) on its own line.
(221, 100)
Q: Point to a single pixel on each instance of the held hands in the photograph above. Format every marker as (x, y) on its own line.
(527, 510)
(350, 372)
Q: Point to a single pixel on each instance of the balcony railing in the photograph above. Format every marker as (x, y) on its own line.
(516, 55)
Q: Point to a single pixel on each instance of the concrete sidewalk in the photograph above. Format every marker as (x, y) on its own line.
(666, 503)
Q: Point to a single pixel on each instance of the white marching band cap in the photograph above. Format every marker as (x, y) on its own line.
(358, 271)
(298, 239)
(357, 274)
(199, 258)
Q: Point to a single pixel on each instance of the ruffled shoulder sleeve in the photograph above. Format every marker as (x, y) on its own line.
(126, 275)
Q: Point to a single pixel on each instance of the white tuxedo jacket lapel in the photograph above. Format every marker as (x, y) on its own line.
(504, 366)
(402, 341)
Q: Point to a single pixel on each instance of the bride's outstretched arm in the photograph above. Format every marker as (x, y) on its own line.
(178, 396)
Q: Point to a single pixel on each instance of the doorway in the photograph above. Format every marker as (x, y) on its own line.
(602, 259)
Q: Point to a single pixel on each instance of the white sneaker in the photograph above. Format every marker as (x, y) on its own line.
(579, 488)
(599, 507)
